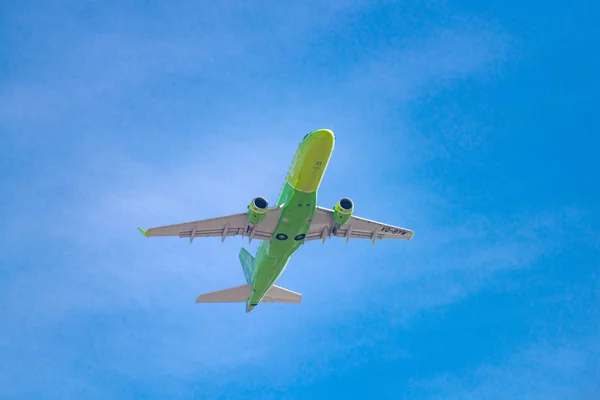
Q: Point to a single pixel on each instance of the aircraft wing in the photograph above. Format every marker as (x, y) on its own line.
(230, 225)
(322, 227)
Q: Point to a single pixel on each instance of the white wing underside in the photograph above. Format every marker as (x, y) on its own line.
(231, 225)
(321, 228)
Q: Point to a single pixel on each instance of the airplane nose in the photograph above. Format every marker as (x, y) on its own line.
(311, 160)
(318, 145)
(325, 136)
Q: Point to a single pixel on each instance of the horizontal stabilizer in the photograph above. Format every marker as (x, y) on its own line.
(240, 294)
(280, 295)
(237, 294)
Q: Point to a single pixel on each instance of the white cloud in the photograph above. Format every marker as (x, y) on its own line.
(543, 371)
(102, 265)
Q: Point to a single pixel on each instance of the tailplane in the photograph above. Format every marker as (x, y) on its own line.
(240, 294)
(278, 294)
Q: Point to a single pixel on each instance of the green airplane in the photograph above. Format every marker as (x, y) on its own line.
(295, 219)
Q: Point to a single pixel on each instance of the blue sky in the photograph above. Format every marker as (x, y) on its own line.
(472, 124)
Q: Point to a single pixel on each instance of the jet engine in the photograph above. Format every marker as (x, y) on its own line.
(257, 210)
(342, 211)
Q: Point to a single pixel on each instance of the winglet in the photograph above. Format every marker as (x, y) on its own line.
(144, 232)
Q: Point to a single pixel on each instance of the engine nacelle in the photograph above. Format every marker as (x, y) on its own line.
(257, 210)
(343, 211)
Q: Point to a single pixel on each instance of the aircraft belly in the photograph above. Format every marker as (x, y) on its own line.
(273, 256)
(293, 224)
(267, 272)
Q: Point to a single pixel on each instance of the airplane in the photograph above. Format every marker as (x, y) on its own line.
(282, 229)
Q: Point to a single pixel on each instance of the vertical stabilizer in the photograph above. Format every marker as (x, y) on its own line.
(247, 261)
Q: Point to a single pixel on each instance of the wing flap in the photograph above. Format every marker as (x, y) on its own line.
(231, 225)
(359, 228)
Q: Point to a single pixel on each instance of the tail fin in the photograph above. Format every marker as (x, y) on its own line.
(247, 261)
(240, 294)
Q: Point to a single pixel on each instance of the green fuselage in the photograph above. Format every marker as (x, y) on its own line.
(298, 198)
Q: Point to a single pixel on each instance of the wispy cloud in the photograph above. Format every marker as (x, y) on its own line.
(543, 371)
(210, 158)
